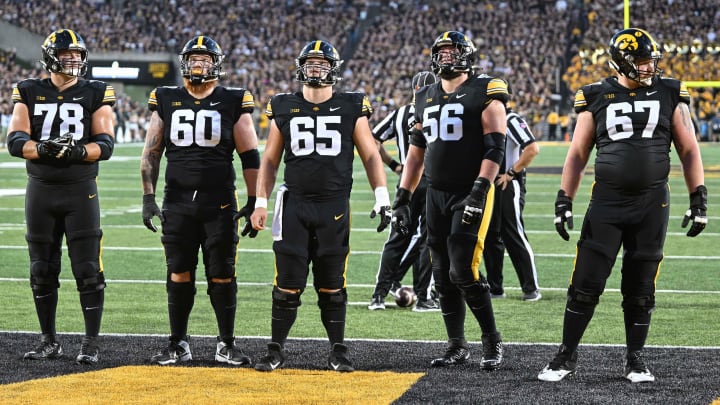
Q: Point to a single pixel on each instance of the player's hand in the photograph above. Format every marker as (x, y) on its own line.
(382, 207)
(149, 210)
(75, 153)
(474, 204)
(401, 215)
(563, 214)
(47, 150)
(246, 212)
(385, 216)
(697, 213)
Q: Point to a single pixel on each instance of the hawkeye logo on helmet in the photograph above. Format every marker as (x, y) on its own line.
(627, 42)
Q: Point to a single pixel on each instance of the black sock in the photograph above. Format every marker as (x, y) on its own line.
(453, 313)
(282, 320)
(223, 297)
(181, 298)
(92, 307)
(46, 308)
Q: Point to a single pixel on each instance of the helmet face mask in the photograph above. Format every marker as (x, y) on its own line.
(60, 53)
(310, 68)
(193, 69)
(632, 48)
(447, 66)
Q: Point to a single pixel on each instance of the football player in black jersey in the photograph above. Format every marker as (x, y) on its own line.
(199, 126)
(632, 120)
(63, 126)
(317, 131)
(409, 249)
(459, 141)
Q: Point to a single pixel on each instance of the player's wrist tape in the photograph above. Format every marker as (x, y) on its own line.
(261, 202)
(382, 196)
(393, 164)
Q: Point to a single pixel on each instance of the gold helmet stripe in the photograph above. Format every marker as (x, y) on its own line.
(317, 46)
(200, 42)
(73, 36)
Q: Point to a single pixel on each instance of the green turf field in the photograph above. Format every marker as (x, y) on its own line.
(687, 299)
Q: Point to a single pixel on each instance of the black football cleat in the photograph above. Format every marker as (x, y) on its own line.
(338, 360)
(275, 358)
(453, 356)
(492, 352)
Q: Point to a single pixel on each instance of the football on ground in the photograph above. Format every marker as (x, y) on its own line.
(405, 297)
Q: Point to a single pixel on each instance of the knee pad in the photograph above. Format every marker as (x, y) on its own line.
(222, 288)
(640, 304)
(180, 259)
(474, 291)
(582, 298)
(91, 283)
(331, 301)
(42, 277)
(180, 289)
(284, 299)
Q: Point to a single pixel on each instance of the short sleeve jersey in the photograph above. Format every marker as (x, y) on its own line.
(54, 113)
(318, 142)
(198, 135)
(452, 131)
(632, 131)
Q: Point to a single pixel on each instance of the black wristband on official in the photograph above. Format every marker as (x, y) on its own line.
(393, 164)
(511, 172)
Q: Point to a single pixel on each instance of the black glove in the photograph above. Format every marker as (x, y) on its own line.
(474, 204)
(385, 217)
(245, 212)
(47, 150)
(401, 215)
(149, 210)
(75, 153)
(563, 214)
(697, 213)
(55, 148)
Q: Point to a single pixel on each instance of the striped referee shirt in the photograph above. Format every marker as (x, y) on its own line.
(518, 137)
(397, 125)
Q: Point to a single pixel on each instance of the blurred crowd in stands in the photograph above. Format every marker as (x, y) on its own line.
(546, 49)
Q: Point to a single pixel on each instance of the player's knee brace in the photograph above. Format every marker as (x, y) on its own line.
(222, 289)
(640, 304)
(42, 278)
(90, 283)
(332, 300)
(581, 298)
(474, 291)
(284, 299)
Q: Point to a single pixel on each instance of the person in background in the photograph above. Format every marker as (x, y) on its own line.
(507, 228)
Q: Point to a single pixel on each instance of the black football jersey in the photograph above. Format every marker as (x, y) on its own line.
(54, 113)
(452, 130)
(319, 148)
(198, 135)
(632, 131)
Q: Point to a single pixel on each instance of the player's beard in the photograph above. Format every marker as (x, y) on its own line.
(200, 87)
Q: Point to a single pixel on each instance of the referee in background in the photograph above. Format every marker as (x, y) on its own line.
(402, 251)
(507, 228)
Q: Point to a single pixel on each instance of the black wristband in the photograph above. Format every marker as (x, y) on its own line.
(147, 198)
(511, 172)
(393, 164)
